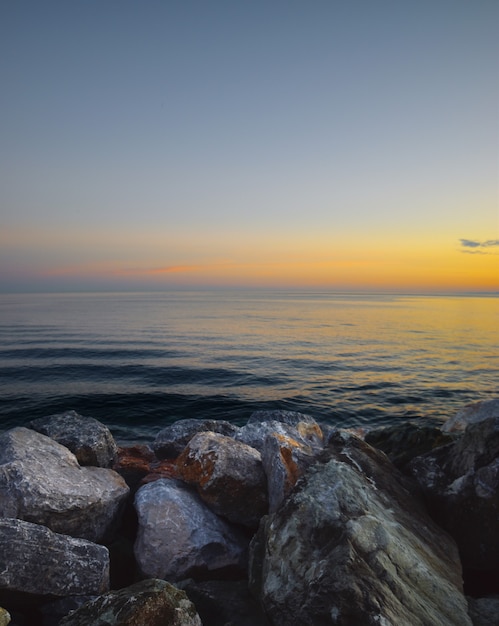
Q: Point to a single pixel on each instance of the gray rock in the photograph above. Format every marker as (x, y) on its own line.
(42, 482)
(228, 475)
(180, 537)
(170, 441)
(291, 418)
(254, 433)
(147, 603)
(351, 545)
(35, 560)
(484, 611)
(460, 482)
(284, 460)
(90, 441)
(472, 414)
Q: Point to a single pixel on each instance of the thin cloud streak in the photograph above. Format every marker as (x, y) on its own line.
(478, 247)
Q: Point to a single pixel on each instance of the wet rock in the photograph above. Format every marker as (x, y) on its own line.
(224, 602)
(42, 482)
(170, 441)
(90, 441)
(402, 442)
(4, 617)
(147, 603)
(180, 537)
(460, 482)
(351, 545)
(228, 475)
(472, 414)
(484, 611)
(35, 560)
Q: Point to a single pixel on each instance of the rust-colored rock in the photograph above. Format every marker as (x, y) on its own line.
(228, 475)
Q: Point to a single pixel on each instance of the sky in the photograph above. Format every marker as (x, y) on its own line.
(341, 144)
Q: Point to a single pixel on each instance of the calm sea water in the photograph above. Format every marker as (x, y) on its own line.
(140, 361)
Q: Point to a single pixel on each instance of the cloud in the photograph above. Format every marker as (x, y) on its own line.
(472, 246)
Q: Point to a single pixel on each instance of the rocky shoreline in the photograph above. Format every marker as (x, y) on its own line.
(279, 522)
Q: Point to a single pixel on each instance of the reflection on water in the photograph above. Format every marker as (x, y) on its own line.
(349, 359)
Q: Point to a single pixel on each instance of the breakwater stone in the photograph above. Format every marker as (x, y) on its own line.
(351, 545)
(343, 536)
(90, 441)
(41, 481)
(35, 560)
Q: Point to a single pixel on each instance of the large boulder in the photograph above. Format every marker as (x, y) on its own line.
(146, 603)
(352, 545)
(228, 475)
(180, 537)
(42, 482)
(472, 414)
(90, 441)
(460, 482)
(171, 440)
(34, 560)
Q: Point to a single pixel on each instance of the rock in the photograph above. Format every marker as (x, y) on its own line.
(180, 537)
(90, 441)
(291, 418)
(402, 442)
(351, 545)
(460, 483)
(472, 414)
(35, 560)
(484, 611)
(170, 441)
(4, 617)
(228, 475)
(139, 465)
(284, 460)
(224, 602)
(147, 603)
(254, 433)
(42, 482)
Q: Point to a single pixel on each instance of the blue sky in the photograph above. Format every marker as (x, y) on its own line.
(248, 142)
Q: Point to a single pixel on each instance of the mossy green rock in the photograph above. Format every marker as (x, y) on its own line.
(148, 603)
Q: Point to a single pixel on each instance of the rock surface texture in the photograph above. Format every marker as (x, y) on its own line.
(228, 476)
(90, 441)
(352, 546)
(35, 560)
(170, 441)
(472, 414)
(147, 603)
(4, 617)
(460, 482)
(42, 482)
(179, 537)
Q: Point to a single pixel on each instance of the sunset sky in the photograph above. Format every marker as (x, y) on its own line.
(321, 144)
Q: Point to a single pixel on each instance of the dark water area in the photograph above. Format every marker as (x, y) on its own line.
(139, 361)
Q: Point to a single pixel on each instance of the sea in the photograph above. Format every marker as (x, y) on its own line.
(140, 361)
